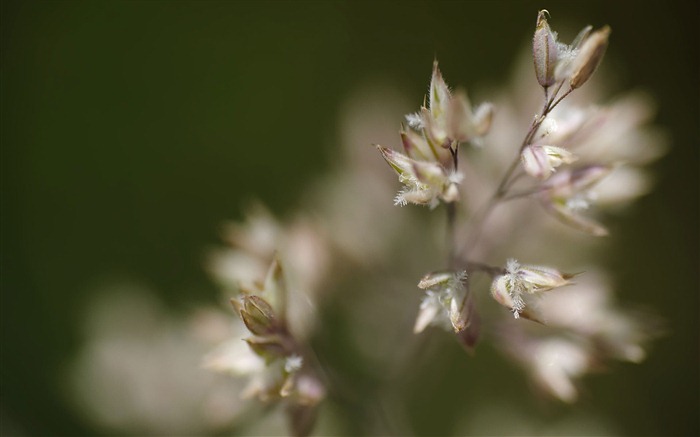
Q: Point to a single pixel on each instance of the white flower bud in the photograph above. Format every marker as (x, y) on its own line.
(508, 289)
(555, 365)
(540, 161)
(501, 293)
(446, 301)
(540, 278)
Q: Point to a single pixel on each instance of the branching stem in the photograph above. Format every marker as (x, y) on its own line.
(510, 176)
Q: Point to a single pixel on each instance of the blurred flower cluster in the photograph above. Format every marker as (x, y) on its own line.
(518, 190)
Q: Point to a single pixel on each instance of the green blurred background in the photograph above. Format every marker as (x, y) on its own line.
(130, 130)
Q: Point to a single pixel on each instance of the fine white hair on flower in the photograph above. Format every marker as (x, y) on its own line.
(443, 304)
(293, 363)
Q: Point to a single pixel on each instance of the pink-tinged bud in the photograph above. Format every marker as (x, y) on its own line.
(540, 161)
(464, 124)
(429, 173)
(401, 163)
(568, 195)
(589, 57)
(535, 163)
(571, 181)
(585, 177)
(415, 145)
(544, 51)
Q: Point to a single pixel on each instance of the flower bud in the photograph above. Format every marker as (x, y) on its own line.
(571, 182)
(570, 216)
(483, 117)
(540, 161)
(446, 302)
(258, 315)
(463, 123)
(544, 51)
(469, 336)
(540, 278)
(439, 94)
(415, 146)
(451, 193)
(401, 163)
(589, 57)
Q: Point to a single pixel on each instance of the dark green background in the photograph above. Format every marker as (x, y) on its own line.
(131, 129)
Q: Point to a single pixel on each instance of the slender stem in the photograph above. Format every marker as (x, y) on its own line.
(559, 100)
(525, 193)
(554, 95)
(452, 214)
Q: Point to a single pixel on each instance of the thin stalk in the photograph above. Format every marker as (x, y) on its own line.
(452, 215)
(525, 193)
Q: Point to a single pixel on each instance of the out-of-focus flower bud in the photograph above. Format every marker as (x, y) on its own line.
(465, 124)
(258, 315)
(572, 181)
(539, 161)
(269, 347)
(304, 392)
(568, 195)
(275, 288)
(589, 57)
(469, 336)
(581, 37)
(415, 146)
(556, 363)
(301, 419)
(545, 51)
(568, 213)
